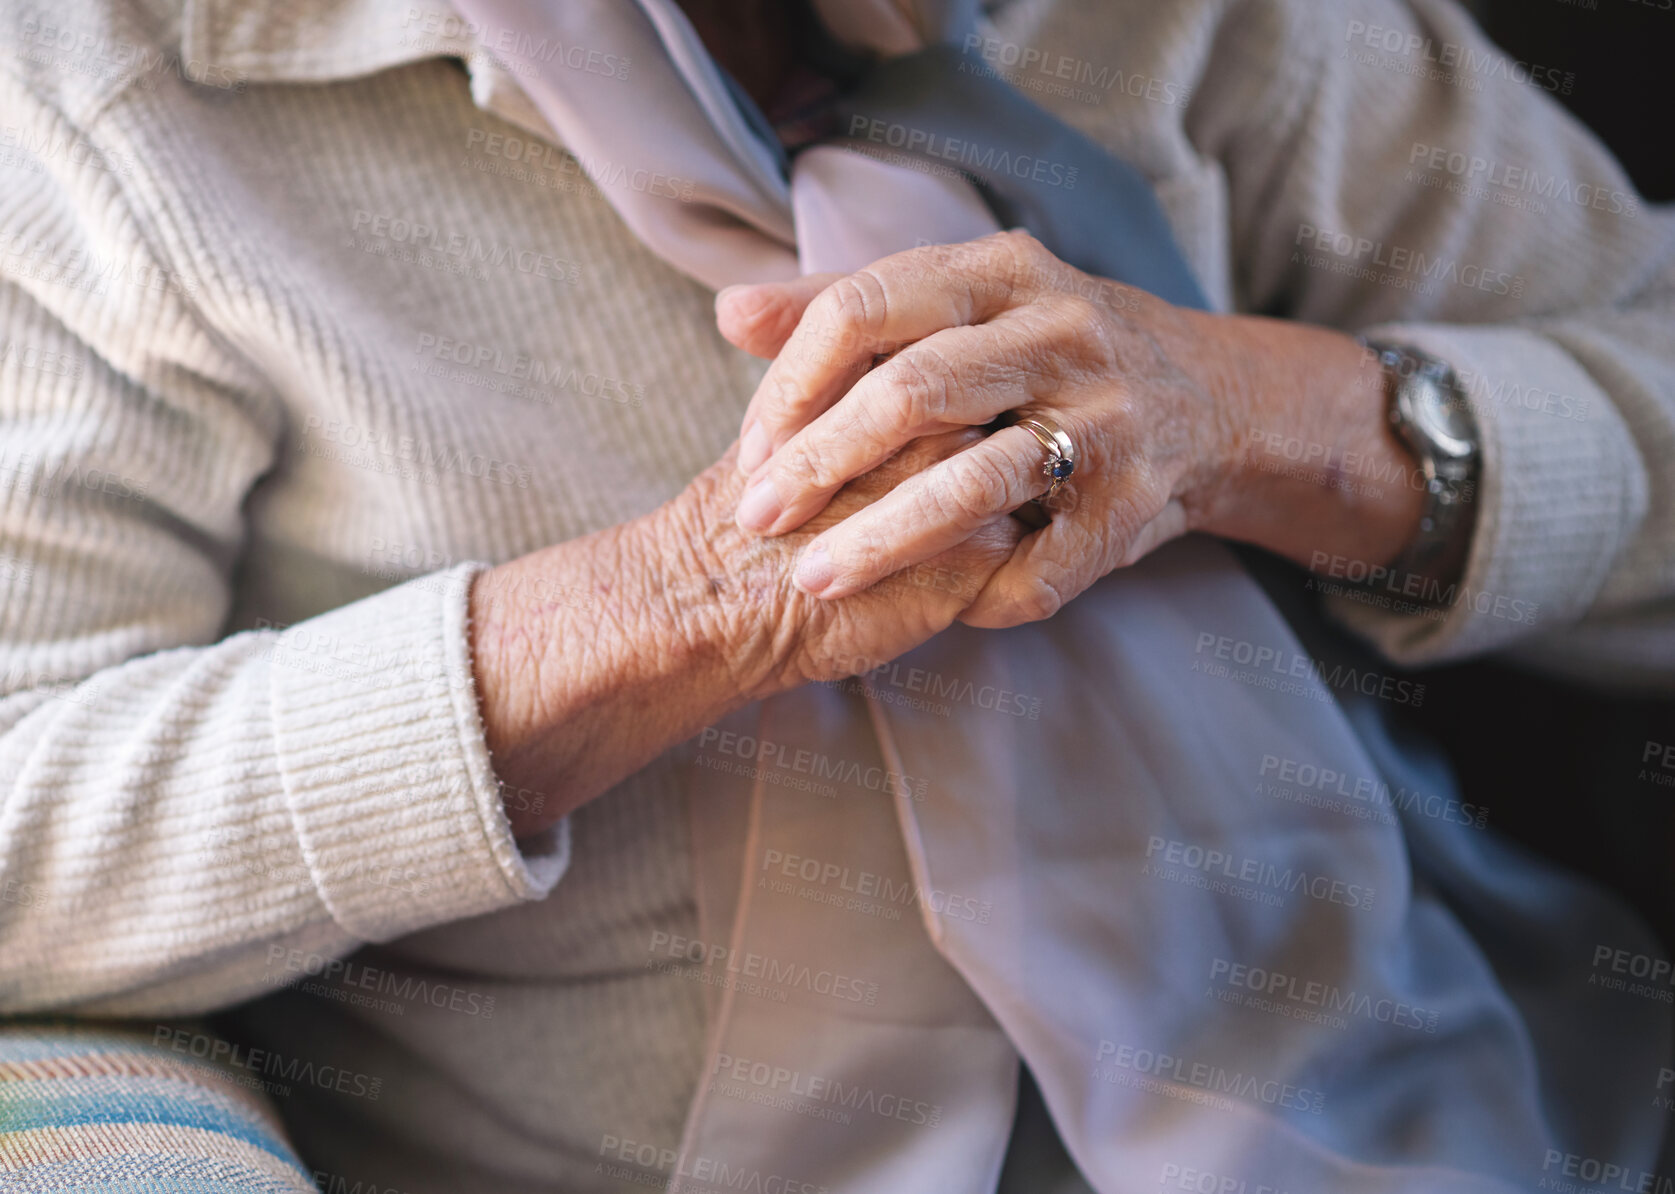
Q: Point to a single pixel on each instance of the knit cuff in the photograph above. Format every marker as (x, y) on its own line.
(389, 781)
(1560, 492)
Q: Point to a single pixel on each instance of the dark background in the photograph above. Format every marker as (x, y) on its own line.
(1621, 51)
(1558, 764)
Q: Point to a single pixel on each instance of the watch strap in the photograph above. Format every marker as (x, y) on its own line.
(1437, 553)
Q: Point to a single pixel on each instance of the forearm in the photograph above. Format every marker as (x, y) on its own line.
(305, 776)
(594, 656)
(1311, 464)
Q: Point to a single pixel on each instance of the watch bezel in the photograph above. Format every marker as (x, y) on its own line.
(1413, 394)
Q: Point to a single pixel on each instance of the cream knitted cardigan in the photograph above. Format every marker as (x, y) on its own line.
(292, 308)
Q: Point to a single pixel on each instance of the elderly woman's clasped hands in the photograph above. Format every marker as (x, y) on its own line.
(1160, 402)
(867, 504)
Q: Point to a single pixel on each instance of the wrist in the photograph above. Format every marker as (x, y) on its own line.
(1309, 466)
(594, 656)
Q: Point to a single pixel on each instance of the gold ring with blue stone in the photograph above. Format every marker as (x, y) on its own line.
(1061, 453)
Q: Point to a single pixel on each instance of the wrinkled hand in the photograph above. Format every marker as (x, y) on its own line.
(592, 656)
(976, 330)
(740, 586)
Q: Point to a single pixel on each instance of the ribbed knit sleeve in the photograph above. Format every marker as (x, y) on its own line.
(380, 693)
(1570, 564)
(1393, 172)
(178, 809)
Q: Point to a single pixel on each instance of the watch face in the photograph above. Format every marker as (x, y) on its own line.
(1441, 417)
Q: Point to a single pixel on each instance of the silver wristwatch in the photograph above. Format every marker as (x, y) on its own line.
(1430, 413)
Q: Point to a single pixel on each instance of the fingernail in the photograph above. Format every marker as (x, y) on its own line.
(760, 506)
(755, 448)
(727, 290)
(814, 571)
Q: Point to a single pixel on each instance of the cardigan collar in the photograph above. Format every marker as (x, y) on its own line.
(322, 41)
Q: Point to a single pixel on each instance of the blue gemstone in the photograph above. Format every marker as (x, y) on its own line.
(1062, 469)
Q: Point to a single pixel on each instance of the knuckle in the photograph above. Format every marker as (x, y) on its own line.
(1033, 265)
(983, 270)
(852, 312)
(1024, 245)
(1130, 508)
(1036, 600)
(780, 399)
(866, 554)
(976, 486)
(1083, 333)
(813, 465)
(924, 380)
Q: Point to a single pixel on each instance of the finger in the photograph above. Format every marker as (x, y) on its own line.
(760, 318)
(963, 376)
(925, 515)
(895, 301)
(1048, 568)
(1074, 551)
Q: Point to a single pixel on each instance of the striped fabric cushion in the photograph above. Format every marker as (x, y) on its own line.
(94, 1108)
